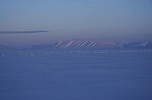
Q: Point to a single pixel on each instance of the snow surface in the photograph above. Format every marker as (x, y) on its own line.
(76, 75)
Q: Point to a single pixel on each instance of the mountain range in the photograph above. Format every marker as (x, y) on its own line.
(94, 45)
(87, 45)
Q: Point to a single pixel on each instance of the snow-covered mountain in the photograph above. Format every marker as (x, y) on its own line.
(92, 44)
(87, 45)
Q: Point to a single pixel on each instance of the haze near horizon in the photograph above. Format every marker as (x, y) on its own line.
(51, 20)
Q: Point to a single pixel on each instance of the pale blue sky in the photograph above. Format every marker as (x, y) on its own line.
(74, 19)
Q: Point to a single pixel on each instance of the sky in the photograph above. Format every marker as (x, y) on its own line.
(30, 22)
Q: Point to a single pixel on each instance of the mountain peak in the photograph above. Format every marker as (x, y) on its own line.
(76, 44)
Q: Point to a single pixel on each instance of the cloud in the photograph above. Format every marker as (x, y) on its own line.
(20, 32)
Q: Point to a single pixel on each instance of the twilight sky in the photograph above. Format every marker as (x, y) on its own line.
(29, 22)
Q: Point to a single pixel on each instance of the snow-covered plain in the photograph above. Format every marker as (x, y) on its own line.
(76, 75)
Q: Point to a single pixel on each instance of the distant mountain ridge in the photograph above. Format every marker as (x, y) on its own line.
(87, 45)
(93, 45)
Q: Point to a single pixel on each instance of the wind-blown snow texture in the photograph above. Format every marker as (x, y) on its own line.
(76, 75)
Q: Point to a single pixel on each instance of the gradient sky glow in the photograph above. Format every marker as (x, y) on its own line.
(74, 19)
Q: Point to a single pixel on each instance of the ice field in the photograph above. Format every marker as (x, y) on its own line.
(76, 75)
